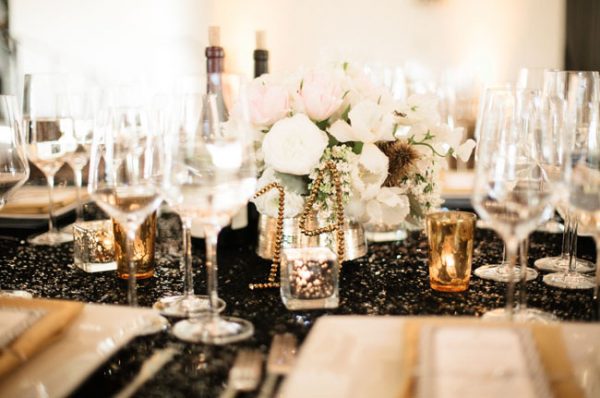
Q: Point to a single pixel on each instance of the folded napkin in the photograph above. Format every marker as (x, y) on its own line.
(548, 342)
(34, 200)
(56, 316)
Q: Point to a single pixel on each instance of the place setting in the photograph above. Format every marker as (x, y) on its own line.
(327, 223)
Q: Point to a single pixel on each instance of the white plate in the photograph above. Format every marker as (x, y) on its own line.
(96, 334)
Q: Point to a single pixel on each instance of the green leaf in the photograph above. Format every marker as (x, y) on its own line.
(357, 147)
(345, 66)
(332, 140)
(345, 113)
(323, 124)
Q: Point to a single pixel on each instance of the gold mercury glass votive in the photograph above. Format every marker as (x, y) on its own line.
(450, 235)
(143, 249)
(93, 246)
(309, 278)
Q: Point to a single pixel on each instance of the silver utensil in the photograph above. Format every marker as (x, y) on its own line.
(245, 373)
(149, 368)
(282, 356)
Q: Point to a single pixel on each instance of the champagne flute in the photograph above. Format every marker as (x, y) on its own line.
(579, 92)
(222, 177)
(48, 135)
(181, 118)
(125, 174)
(511, 191)
(14, 167)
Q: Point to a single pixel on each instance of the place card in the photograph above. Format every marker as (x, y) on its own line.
(469, 361)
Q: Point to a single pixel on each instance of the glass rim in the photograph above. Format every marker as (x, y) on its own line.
(464, 215)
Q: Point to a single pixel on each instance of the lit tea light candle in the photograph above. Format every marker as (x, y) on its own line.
(309, 278)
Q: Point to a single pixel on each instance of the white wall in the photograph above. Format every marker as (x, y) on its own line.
(131, 37)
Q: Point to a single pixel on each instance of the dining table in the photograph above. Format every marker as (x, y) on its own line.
(391, 279)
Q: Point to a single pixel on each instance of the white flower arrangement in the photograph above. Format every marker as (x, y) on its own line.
(388, 153)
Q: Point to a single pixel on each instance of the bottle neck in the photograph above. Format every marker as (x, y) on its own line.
(261, 62)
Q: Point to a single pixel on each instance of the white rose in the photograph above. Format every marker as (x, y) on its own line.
(321, 93)
(294, 145)
(369, 123)
(268, 101)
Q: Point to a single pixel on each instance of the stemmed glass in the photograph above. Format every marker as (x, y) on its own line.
(14, 168)
(499, 272)
(578, 93)
(511, 191)
(48, 134)
(84, 102)
(221, 175)
(180, 117)
(126, 167)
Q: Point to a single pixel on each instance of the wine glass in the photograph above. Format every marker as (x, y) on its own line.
(500, 272)
(48, 134)
(126, 164)
(84, 102)
(578, 93)
(14, 167)
(511, 191)
(556, 86)
(180, 117)
(222, 177)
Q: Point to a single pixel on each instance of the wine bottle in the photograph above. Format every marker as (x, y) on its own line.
(261, 55)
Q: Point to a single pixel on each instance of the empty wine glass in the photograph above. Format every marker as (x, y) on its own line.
(511, 191)
(574, 94)
(180, 117)
(221, 174)
(125, 174)
(498, 272)
(556, 87)
(14, 168)
(48, 134)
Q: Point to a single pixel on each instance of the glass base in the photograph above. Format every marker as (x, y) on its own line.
(150, 324)
(213, 329)
(96, 267)
(500, 273)
(561, 264)
(184, 306)
(51, 238)
(551, 227)
(523, 315)
(16, 294)
(385, 236)
(569, 281)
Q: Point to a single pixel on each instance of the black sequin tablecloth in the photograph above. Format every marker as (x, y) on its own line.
(391, 280)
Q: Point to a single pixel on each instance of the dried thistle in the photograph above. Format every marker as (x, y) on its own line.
(402, 157)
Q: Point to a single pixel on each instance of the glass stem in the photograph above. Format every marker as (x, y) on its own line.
(211, 234)
(511, 247)
(51, 225)
(566, 237)
(78, 184)
(596, 302)
(573, 246)
(131, 280)
(188, 273)
(523, 256)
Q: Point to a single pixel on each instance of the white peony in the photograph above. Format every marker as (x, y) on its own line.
(268, 101)
(369, 123)
(294, 145)
(268, 203)
(370, 171)
(321, 93)
(389, 207)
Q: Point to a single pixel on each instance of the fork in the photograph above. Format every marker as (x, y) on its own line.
(245, 373)
(282, 356)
